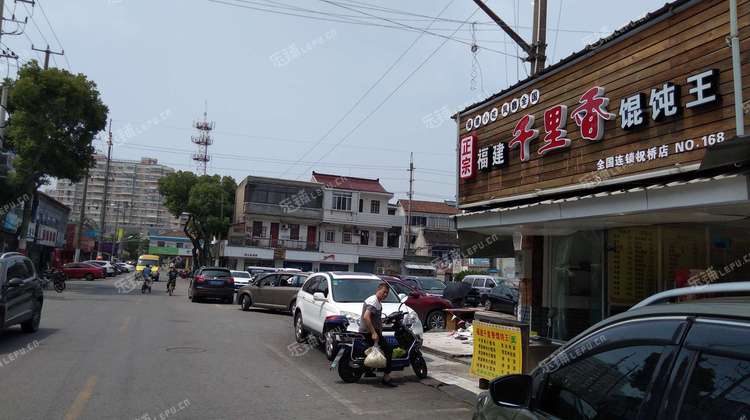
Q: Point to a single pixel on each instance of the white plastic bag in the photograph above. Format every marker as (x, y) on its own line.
(375, 358)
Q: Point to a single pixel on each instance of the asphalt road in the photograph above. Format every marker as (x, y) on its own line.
(103, 354)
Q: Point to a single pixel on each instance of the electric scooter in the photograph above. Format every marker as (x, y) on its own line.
(350, 360)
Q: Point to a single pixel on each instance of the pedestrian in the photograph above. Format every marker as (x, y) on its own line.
(372, 328)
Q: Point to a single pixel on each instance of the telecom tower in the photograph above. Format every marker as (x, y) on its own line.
(203, 140)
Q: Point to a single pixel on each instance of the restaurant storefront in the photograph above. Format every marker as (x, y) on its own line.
(598, 169)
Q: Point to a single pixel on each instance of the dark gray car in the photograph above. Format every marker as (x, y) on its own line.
(272, 291)
(686, 360)
(21, 295)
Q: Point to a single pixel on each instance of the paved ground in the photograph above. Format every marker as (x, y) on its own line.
(101, 354)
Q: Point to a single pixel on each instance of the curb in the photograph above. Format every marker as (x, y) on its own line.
(449, 356)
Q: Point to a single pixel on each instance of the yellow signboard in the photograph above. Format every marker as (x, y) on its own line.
(498, 350)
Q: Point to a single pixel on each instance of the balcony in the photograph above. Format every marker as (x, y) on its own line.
(361, 219)
(363, 251)
(289, 212)
(274, 243)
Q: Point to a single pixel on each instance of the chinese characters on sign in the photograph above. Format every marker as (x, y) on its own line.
(590, 116)
(468, 164)
(498, 350)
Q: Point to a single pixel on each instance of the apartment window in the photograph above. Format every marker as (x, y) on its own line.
(160, 244)
(342, 201)
(361, 205)
(391, 211)
(180, 245)
(257, 229)
(330, 236)
(375, 207)
(294, 232)
(393, 239)
(347, 237)
(364, 237)
(379, 236)
(418, 221)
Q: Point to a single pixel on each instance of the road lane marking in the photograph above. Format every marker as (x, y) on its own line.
(83, 397)
(124, 326)
(335, 395)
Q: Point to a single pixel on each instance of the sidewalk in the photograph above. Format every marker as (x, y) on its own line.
(448, 362)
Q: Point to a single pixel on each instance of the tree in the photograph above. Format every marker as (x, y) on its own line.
(54, 116)
(209, 203)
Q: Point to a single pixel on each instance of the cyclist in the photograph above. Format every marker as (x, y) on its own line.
(172, 278)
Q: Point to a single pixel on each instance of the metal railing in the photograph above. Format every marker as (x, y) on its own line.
(274, 243)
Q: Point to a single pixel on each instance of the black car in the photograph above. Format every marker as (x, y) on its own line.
(212, 282)
(502, 298)
(688, 359)
(21, 295)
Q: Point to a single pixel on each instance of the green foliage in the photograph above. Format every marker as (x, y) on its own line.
(208, 199)
(54, 118)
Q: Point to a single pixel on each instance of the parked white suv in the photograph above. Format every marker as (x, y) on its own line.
(241, 278)
(327, 297)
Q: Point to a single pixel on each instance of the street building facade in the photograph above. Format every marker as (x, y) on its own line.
(133, 203)
(172, 247)
(615, 173)
(358, 220)
(277, 224)
(432, 234)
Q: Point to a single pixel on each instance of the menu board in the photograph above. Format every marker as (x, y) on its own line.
(632, 263)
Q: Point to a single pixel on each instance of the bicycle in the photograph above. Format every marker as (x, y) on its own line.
(170, 286)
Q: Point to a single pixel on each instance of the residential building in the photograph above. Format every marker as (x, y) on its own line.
(133, 195)
(432, 234)
(277, 223)
(358, 220)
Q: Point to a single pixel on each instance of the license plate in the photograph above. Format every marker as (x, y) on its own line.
(216, 282)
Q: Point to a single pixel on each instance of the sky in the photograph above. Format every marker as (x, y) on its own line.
(282, 89)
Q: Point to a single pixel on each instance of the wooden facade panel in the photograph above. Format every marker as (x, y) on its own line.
(688, 43)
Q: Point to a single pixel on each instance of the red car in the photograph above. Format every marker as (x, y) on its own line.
(429, 308)
(83, 271)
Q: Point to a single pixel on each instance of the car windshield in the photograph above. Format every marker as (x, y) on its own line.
(216, 273)
(147, 261)
(429, 283)
(241, 274)
(349, 290)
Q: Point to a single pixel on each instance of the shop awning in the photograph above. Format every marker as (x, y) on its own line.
(721, 198)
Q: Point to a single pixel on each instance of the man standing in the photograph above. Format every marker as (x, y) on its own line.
(372, 327)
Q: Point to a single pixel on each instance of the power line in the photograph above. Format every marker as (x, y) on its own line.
(59, 44)
(44, 38)
(380, 105)
(288, 140)
(367, 92)
(399, 26)
(245, 158)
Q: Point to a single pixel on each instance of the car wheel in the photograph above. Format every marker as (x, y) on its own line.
(293, 306)
(299, 329)
(435, 320)
(89, 277)
(331, 346)
(32, 325)
(246, 302)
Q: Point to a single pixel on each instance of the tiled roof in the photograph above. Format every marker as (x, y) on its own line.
(436, 207)
(349, 183)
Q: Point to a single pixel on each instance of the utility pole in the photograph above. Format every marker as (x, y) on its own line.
(117, 225)
(77, 257)
(535, 52)
(103, 211)
(411, 198)
(47, 53)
